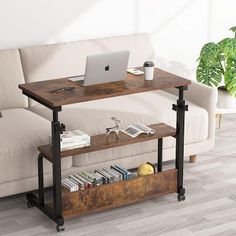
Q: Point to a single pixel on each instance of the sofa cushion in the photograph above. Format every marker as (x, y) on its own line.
(11, 75)
(21, 132)
(148, 108)
(69, 59)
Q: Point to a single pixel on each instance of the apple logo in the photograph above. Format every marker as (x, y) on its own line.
(107, 68)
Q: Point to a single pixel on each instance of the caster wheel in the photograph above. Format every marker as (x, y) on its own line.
(29, 205)
(60, 228)
(181, 198)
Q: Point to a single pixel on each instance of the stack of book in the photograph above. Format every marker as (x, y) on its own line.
(91, 179)
(74, 139)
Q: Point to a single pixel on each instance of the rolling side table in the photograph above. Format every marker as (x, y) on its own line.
(55, 93)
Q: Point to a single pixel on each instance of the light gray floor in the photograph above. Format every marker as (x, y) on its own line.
(209, 209)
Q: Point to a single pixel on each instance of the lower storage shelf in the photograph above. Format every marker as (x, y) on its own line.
(118, 194)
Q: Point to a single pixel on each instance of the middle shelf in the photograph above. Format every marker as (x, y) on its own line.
(99, 142)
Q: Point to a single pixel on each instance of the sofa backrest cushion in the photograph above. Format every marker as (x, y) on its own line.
(68, 59)
(11, 75)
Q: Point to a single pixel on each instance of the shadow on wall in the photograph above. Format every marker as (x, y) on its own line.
(172, 17)
(57, 21)
(175, 67)
(56, 15)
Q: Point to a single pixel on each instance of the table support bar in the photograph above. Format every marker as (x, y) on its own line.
(180, 108)
(160, 154)
(41, 179)
(56, 153)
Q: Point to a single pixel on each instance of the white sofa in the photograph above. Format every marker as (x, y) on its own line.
(25, 124)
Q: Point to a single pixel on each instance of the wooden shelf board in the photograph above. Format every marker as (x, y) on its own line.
(99, 142)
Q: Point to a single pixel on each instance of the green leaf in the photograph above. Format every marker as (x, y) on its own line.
(233, 29)
(227, 46)
(210, 53)
(230, 75)
(209, 74)
(217, 61)
(209, 70)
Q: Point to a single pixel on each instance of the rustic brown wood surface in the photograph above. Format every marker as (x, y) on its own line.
(118, 194)
(99, 142)
(42, 90)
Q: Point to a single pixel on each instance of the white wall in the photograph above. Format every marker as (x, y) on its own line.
(179, 28)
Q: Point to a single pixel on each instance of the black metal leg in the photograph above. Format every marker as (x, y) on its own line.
(56, 152)
(40, 179)
(180, 108)
(160, 151)
(33, 200)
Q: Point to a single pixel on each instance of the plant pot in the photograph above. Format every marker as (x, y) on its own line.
(224, 99)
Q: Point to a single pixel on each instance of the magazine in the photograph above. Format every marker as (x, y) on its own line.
(135, 130)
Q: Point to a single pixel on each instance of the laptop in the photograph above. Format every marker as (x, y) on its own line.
(104, 68)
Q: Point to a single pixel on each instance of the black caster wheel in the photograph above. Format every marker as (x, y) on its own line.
(29, 205)
(60, 228)
(181, 198)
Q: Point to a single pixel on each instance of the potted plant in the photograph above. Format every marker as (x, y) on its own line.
(217, 67)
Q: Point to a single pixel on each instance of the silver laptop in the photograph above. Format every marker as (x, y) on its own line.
(104, 68)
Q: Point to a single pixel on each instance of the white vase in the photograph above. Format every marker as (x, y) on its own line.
(225, 100)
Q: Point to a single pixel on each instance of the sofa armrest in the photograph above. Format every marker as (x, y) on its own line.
(205, 97)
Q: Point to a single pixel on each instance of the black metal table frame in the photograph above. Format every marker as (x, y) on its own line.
(56, 129)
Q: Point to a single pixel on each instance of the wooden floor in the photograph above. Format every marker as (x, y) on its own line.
(209, 209)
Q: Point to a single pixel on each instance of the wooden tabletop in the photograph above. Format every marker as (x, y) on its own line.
(42, 91)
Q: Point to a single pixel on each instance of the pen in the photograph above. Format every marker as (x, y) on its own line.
(63, 89)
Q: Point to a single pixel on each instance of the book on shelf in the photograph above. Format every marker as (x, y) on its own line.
(88, 183)
(121, 172)
(104, 179)
(69, 185)
(73, 139)
(128, 174)
(78, 181)
(90, 179)
(114, 176)
(105, 175)
(71, 135)
(135, 130)
(74, 145)
(117, 175)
